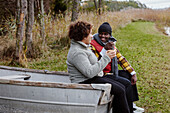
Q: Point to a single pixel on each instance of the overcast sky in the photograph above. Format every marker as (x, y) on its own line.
(154, 4)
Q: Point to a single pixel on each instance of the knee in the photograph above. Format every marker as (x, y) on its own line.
(127, 83)
(119, 91)
(125, 74)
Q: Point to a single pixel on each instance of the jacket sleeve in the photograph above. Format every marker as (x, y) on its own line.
(82, 63)
(124, 63)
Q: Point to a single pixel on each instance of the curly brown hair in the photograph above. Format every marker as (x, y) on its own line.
(79, 30)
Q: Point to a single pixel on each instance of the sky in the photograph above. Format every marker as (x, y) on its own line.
(154, 4)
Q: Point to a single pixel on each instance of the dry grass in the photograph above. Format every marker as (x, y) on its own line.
(58, 28)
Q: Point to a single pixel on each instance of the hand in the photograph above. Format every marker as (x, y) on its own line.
(109, 45)
(133, 79)
(111, 53)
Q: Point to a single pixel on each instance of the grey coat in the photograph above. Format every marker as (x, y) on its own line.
(82, 63)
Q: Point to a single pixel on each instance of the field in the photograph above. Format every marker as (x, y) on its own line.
(148, 52)
(142, 42)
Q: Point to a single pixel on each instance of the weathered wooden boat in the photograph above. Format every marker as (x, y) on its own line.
(46, 91)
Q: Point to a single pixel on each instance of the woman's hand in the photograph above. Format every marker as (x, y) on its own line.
(111, 53)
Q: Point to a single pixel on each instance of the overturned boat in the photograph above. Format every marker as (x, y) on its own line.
(49, 91)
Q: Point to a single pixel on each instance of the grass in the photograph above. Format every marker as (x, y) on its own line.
(148, 52)
(55, 60)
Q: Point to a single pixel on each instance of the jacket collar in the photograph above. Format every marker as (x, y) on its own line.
(97, 39)
(79, 43)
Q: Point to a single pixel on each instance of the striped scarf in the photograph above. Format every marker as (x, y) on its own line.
(114, 69)
(122, 61)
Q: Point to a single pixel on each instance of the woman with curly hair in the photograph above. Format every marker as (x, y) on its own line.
(84, 67)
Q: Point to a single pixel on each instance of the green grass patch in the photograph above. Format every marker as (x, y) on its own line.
(148, 52)
(55, 60)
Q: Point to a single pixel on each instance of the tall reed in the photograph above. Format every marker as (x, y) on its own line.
(58, 28)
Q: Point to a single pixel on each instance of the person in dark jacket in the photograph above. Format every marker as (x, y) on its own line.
(103, 41)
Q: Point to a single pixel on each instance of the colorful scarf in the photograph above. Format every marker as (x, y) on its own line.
(114, 69)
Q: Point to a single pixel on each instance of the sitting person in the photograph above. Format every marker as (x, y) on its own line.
(85, 68)
(103, 41)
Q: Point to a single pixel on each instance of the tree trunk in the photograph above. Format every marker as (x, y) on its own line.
(22, 9)
(75, 10)
(29, 43)
(100, 4)
(95, 3)
(42, 30)
(16, 55)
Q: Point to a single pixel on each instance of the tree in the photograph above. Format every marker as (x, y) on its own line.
(39, 6)
(60, 7)
(75, 10)
(95, 3)
(26, 48)
(100, 4)
(42, 30)
(21, 10)
(30, 22)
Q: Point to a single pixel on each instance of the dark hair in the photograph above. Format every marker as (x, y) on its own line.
(79, 30)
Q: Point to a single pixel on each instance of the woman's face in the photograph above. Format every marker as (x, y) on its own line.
(87, 40)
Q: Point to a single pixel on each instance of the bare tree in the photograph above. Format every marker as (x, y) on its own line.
(95, 3)
(42, 30)
(39, 5)
(22, 10)
(100, 4)
(16, 55)
(30, 22)
(75, 10)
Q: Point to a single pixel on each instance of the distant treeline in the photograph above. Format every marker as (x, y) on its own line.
(8, 7)
(113, 5)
